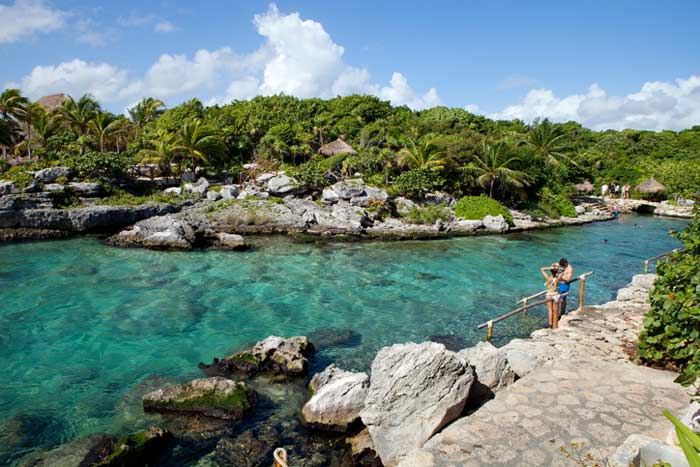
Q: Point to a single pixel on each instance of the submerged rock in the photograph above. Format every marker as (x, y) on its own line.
(230, 241)
(251, 448)
(275, 355)
(335, 337)
(337, 397)
(214, 397)
(91, 450)
(140, 448)
(452, 342)
(415, 390)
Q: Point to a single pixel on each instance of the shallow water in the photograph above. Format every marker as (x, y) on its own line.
(81, 324)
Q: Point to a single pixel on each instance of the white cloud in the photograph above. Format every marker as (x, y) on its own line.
(298, 57)
(104, 81)
(164, 26)
(656, 106)
(517, 81)
(27, 17)
(472, 108)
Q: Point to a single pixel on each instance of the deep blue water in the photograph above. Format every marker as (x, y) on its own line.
(82, 323)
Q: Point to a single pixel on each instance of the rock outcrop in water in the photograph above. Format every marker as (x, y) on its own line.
(214, 397)
(337, 397)
(415, 390)
(273, 355)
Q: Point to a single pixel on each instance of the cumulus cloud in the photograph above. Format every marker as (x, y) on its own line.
(26, 17)
(105, 82)
(297, 57)
(657, 105)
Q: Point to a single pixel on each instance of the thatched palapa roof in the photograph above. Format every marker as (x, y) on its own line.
(51, 101)
(336, 147)
(585, 187)
(650, 186)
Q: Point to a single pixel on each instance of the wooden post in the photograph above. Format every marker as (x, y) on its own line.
(581, 290)
(525, 310)
(489, 331)
(646, 266)
(555, 314)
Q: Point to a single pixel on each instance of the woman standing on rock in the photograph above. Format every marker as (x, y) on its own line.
(551, 284)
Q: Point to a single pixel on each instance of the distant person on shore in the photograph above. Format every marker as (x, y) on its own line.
(604, 190)
(626, 191)
(566, 271)
(552, 287)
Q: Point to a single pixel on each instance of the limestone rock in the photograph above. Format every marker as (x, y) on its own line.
(347, 189)
(175, 190)
(214, 397)
(404, 205)
(50, 174)
(140, 448)
(440, 197)
(337, 398)
(328, 196)
(526, 355)
(281, 185)
(229, 191)
(491, 370)
(363, 451)
(200, 187)
(54, 187)
(213, 195)
(7, 187)
(463, 225)
(231, 241)
(162, 232)
(275, 355)
(495, 223)
(415, 390)
(580, 210)
(86, 189)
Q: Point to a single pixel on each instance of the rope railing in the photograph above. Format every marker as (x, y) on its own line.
(280, 456)
(526, 306)
(654, 258)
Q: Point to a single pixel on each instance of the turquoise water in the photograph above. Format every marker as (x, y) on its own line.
(81, 323)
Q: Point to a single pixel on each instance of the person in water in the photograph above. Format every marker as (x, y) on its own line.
(566, 272)
(551, 286)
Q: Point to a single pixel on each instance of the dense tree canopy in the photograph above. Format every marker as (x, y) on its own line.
(470, 154)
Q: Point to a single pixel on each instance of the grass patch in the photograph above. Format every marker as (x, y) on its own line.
(123, 198)
(428, 215)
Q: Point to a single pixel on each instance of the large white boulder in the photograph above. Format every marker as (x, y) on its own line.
(281, 185)
(415, 390)
(50, 174)
(229, 191)
(337, 398)
(495, 223)
(7, 187)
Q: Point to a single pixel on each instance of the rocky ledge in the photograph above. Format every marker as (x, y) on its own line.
(214, 397)
(273, 355)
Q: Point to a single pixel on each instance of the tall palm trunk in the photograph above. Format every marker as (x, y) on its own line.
(493, 179)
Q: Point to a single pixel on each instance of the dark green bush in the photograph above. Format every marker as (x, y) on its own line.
(99, 166)
(310, 174)
(555, 205)
(671, 333)
(416, 183)
(19, 175)
(428, 214)
(476, 207)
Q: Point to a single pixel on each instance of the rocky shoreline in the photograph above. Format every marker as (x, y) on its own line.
(421, 404)
(204, 215)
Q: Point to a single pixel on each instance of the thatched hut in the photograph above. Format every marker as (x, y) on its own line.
(336, 147)
(585, 187)
(650, 187)
(52, 101)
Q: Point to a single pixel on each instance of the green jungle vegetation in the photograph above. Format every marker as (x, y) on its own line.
(529, 166)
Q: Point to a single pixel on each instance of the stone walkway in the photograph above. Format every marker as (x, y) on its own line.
(581, 389)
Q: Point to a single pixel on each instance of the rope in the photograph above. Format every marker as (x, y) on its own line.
(280, 455)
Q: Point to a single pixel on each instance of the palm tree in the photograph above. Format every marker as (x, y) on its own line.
(76, 115)
(146, 111)
(45, 126)
(198, 141)
(549, 141)
(492, 164)
(11, 103)
(425, 155)
(165, 149)
(100, 127)
(28, 115)
(123, 131)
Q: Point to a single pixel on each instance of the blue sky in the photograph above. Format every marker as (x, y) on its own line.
(608, 64)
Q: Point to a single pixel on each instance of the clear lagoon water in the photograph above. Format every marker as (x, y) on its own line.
(82, 324)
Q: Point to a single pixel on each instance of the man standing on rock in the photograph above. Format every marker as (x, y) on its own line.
(566, 272)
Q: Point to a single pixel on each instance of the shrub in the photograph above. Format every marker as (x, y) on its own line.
(428, 214)
(100, 166)
(310, 174)
(416, 183)
(477, 207)
(555, 205)
(19, 175)
(671, 333)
